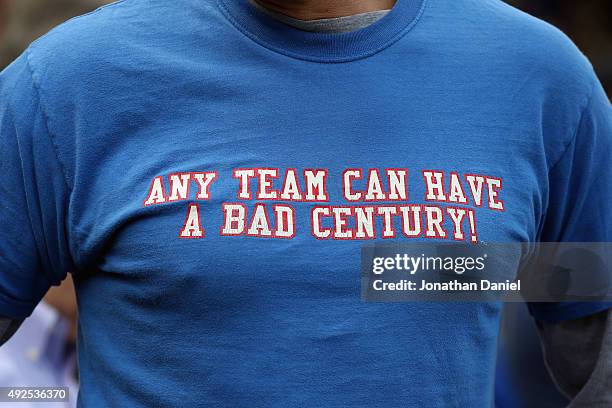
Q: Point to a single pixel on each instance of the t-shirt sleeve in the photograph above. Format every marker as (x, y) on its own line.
(34, 251)
(580, 197)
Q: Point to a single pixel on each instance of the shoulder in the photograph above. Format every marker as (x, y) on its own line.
(531, 46)
(91, 34)
(525, 67)
(490, 35)
(121, 34)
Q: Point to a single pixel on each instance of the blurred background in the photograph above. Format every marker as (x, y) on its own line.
(522, 379)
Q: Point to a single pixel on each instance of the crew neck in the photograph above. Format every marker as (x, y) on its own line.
(322, 47)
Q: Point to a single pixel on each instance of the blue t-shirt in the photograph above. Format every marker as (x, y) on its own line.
(209, 176)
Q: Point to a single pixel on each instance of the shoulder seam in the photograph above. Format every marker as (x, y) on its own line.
(36, 86)
(577, 129)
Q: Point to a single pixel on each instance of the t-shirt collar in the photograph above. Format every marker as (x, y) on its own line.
(322, 47)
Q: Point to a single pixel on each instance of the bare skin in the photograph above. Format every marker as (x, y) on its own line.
(318, 9)
(62, 298)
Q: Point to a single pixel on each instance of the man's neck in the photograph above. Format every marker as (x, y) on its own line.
(320, 9)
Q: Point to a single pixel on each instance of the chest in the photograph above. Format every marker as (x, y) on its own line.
(297, 176)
